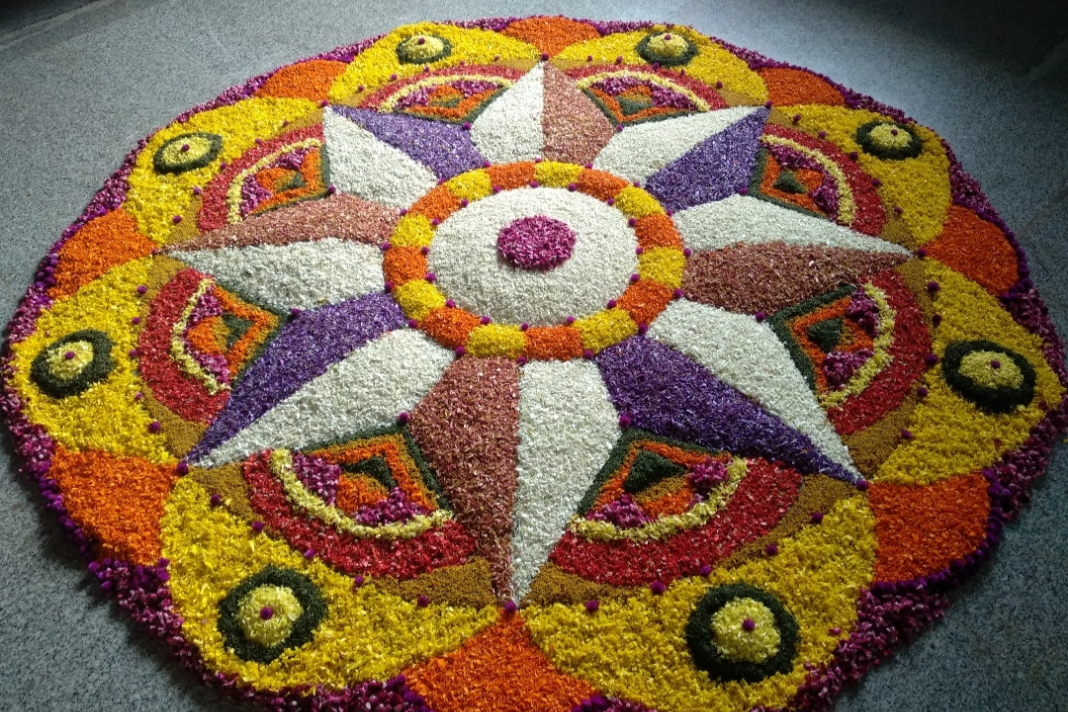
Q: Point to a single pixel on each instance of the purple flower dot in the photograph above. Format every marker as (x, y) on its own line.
(435, 222)
(431, 277)
(931, 359)
(402, 212)
(587, 353)
(836, 631)
(424, 250)
(182, 468)
(817, 517)
(761, 316)
(69, 355)
(611, 304)
(331, 189)
(522, 360)
(536, 242)
(995, 364)
(876, 182)
(933, 286)
(257, 526)
(748, 625)
(413, 324)
(467, 126)
(357, 581)
(464, 203)
(922, 391)
(592, 605)
(744, 190)
(421, 40)
(460, 350)
(705, 570)
(185, 147)
(639, 250)
(767, 104)
(863, 485)
(534, 183)
(635, 277)
(936, 319)
(544, 56)
(524, 326)
(392, 77)
(510, 607)
(176, 219)
(572, 187)
(642, 328)
(385, 246)
(719, 85)
(139, 395)
(402, 417)
(197, 190)
(309, 554)
(589, 57)
(135, 320)
(853, 155)
(898, 210)
(422, 601)
(677, 294)
(154, 426)
(771, 549)
(619, 127)
(657, 588)
(360, 88)
(619, 59)
(906, 434)
(624, 420)
(822, 134)
(686, 252)
(797, 117)
(484, 320)
(450, 303)
(266, 613)
(569, 320)
(388, 286)
(632, 221)
(216, 499)
(496, 189)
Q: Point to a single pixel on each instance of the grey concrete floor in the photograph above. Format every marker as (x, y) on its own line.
(78, 90)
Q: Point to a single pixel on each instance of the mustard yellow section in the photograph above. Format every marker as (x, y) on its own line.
(106, 416)
(951, 435)
(379, 64)
(155, 198)
(816, 575)
(366, 634)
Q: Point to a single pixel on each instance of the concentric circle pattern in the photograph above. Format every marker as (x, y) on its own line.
(535, 365)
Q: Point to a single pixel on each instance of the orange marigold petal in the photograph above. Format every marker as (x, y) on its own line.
(403, 264)
(551, 34)
(99, 245)
(599, 184)
(797, 86)
(511, 175)
(553, 342)
(449, 326)
(438, 204)
(645, 300)
(305, 80)
(498, 670)
(977, 249)
(920, 530)
(657, 231)
(118, 501)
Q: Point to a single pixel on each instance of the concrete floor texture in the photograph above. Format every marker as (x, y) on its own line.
(81, 82)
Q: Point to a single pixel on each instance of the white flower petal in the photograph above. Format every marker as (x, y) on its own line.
(641, 150)
(567, 428)
(750, 221)
(364, 391)
(302, 274)
(747, 355)
(509, 129)
(362, 165)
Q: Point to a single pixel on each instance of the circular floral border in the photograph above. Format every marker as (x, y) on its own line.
(889, 612)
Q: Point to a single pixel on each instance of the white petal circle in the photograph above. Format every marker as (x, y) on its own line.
(567, 428)
(302, 274)
(747, 355)
(362, 165)
(509, 129)
(364, 391)
(741, 219)
(464, 258)
(641, 150)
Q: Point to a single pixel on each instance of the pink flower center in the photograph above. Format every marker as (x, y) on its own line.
(536, 243)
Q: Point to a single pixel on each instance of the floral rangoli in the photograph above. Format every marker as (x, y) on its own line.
(536, 365)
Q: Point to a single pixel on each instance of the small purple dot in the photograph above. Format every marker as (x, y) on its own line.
(876, 182)
(635, 277)
(544, 56)
(995, 364)
(385, 246)
(719, 85)
(135, 320)
(431, 277)
(936, 319)
(294, 312)
(611, 304)
(510, 607)
(424, 250)
(450, 303)
(422, 601)
(822, 134)
(266, 613)
(853, 155)
(931, 359)
(257, 526)
(657, 588)
(632, 221)
(922, 391)
(587, 353)
(863, 485)
(592, 605)
(402, 417)
(216, 499)
(357, 581)
(705, 570)
(836, 631)
(817, 517)
(182, 468)
(309, 554)
(484, 320)
(464, 203)
(176, 219)
(767, 104)
(154, 426)
(197, 190)
(569, 320)
(677, 294)
(797, 117)
(69, 355)
(459, 350)
(761, 316)
(639, 250)
(524, 326)
(572, 187)
(906, 434)
(413, 324)
(624, 420)
(921, 253)
(642, 328)
(522, 360)
(771, 549)
(933, 286)
(748, 625)
(898, 210)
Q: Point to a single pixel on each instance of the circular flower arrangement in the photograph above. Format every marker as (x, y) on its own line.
(535, 365)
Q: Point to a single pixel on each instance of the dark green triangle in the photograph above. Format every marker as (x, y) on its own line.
(649, 468)
(235, 328)
(826, 334)
(374, 467)
(788, 182)
(632, 106)
(296, 181)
